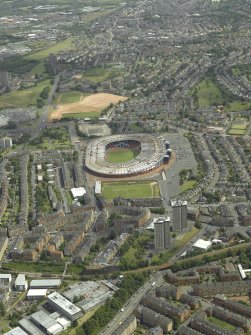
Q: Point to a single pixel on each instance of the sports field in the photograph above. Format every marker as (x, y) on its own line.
(92, 103)
(138, 189)
(121, 155)
(238, 128)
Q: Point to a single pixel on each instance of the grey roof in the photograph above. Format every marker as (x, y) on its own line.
(29, 327)
(63, 303)
(45, 282)
(16, 331)
(20, 280)
(45, 320)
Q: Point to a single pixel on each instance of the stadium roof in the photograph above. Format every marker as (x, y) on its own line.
(78, 192)
(152, 153)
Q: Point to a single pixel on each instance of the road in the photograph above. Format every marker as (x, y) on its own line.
(131, 304)
(156, 278)
(43, 118)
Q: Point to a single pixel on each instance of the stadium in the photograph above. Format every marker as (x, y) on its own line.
(126, 155)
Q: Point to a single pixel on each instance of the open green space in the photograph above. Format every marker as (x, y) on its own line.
(237, 106)
(53, 49)
(120, 155)
(182, 239)
(207, 93)
(68, 97)
(99, 74)
(24, 98)
(137, 189)
(241, 126)
(187, 185)
(234, 131)
(83, 115)
(34, 267)
(222, 324)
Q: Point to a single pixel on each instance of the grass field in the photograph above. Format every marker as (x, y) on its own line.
(34, 267)
(81, 115)
(24, 98)
(238, 128)
(121, 155)
(222, 324)
(234, 131)
(99, 74)
(241, 126)
(207, 93)
(140, 189)
(237, 106)
(68, 97)
(182, 239)
(53, 49)
(187, 185)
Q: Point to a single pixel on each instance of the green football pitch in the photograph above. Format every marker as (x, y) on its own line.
(145, 189)
(121, 155)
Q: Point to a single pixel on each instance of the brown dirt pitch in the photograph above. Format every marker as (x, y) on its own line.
(92, 103)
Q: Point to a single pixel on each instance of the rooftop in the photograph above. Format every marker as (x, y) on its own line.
(37, 292)
(16, 331)
(45, 282)
(202, 244)
(78, 192)
(63, 303)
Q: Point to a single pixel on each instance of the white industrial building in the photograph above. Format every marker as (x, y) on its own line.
(45, 283)
(46, 323)
(202, 244)
(37, 294)
(98, 187)
(64, 306)
(78, 192)
(21, 283)
(16, 331)
(5, 278)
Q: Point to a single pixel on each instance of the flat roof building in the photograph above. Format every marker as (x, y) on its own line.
(45, 283)
(202, 244)
(78, 192)
(20, 283)
(29, 327)
(16, 331)
(46, 323)
(64, 306)
(36, 294)
(5, 278)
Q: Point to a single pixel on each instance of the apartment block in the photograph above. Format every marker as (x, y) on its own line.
(153, 319)
(228, 288)
(166, 308)
(127, 327)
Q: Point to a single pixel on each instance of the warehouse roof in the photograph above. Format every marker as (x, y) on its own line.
(16, 331)
(47, 322)
(63, 303)
(38, 292)
(78, 192)
(202, 244)
(45, 283)
(20, 280)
